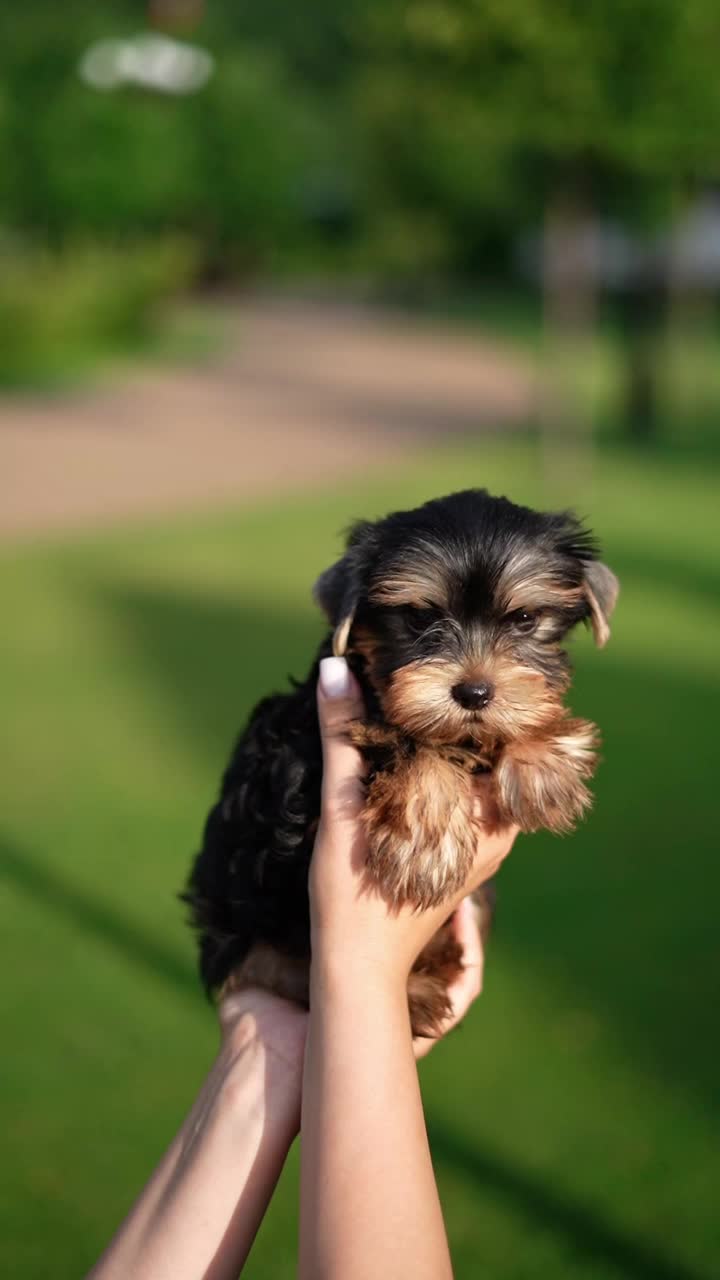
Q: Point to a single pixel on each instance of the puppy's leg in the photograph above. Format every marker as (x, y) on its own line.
(439, 964)
(539, 782)
(434, 971)
(421, 832)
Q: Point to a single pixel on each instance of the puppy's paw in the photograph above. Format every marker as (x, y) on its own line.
(539, 782)
(421, 830)
(433, 973)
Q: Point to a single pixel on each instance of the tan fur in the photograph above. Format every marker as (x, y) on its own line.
(598, 622)
(372, 733)
(536, 592)
(540, 781)
(419, 699)
(363, 642)
(435, 969)
(438, 966)
(271, 970)
(421, 829)
(420, 583)
(340, 636)
(601, 590)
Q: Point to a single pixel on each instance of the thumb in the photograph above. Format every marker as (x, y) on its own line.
(339, 703)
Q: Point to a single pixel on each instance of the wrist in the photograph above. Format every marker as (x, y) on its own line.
(260, 1063)
(255, 1019)
(256, 1085)
(344, 977)
(377, 955)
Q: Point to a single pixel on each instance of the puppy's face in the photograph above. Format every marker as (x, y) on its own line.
(457, 612)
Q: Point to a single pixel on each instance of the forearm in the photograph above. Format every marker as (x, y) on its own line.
(369, 1201)
(200, 1211)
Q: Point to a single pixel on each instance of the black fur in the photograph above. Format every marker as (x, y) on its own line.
(249, 881)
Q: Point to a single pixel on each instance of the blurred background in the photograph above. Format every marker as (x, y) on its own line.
(264, 269)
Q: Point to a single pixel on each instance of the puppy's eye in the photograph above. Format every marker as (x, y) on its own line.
(418, 621)
(523, 621)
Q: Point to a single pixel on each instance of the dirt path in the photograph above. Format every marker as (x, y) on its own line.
(305, 393)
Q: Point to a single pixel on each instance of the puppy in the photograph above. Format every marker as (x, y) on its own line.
(452, 617)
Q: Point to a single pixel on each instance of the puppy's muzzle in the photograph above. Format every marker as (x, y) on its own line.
(473, 695)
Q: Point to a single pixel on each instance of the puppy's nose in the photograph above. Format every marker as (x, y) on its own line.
(474, 695)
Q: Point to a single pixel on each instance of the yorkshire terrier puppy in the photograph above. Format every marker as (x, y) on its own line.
(452, 617)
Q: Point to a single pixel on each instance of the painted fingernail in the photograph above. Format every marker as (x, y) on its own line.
(335, 677)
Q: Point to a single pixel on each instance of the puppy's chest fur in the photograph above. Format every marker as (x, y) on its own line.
(248, 887)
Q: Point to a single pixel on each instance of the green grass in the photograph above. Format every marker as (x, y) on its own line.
(571, 1116)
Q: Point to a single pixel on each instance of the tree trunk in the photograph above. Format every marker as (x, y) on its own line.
(642, 310)
(569, 275)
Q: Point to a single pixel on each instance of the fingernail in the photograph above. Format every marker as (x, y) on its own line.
(334, 677)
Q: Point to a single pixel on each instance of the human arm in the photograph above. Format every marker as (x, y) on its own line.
(369, 1202)
(199, 1213)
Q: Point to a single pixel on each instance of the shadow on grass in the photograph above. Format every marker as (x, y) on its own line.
(691, 577)
(95, 919)
(213, 660)
(622, 914)
(588, 1235)
(684, 443)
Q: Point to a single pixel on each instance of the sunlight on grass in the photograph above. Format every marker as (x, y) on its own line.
(570, 1115)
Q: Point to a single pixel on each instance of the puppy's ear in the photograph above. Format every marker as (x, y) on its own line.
(339, 588)
(601, 589)
(336, 593)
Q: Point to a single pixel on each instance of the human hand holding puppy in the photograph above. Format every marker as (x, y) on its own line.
(369, 1200)
(356, 933)
(369, 1203)
(453, 617)
(357, 937)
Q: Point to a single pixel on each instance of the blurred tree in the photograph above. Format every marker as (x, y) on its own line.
(431, 131)
(511, 110)
(226, 164)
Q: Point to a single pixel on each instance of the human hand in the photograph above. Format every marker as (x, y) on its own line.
(354, 929)
(199, 1213)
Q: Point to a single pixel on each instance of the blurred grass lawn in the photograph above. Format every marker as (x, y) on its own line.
(571, 1116)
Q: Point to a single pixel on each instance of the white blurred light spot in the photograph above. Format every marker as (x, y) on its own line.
(150, 61)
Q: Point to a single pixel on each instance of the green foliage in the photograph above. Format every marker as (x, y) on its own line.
(462, 116)
(254, 137)
(226, 164)
(404, 140)
(483, 113)
(571, 1115)
(140, 176)
(60, 311)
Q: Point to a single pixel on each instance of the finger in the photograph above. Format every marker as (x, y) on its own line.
(468, 983)
(467, 986)
(491, 850)
(339, 703)
(466, 927)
